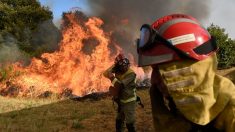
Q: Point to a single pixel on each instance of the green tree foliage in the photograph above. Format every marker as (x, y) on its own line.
(226, 52)
(19, 18)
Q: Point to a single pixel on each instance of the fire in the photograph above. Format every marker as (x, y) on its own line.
(71, 67)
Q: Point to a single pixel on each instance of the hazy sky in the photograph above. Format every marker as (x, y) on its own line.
(222, 12)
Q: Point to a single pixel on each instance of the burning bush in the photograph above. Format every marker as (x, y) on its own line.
(77, 66)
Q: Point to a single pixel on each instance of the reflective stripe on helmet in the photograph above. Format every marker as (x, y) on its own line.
(166, 25)
(182, 39)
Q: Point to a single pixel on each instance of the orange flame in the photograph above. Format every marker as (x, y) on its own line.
(70, 67)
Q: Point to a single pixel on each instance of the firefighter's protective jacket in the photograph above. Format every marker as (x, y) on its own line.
(126, 83)
(199, 96)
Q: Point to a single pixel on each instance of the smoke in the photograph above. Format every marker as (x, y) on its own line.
(125, 17)
(9, 51)
(57, 22)
(46, 37)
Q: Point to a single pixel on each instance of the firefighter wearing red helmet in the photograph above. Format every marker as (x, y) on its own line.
(123, 91)
(186, 93)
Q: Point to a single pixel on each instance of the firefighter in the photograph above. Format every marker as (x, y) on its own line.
(123, 91)
(186, 93)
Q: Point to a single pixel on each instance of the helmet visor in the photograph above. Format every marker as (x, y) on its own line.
(144, 36)
(150, 37)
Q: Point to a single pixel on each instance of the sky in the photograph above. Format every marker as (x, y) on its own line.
(60, 6)
(221, 12)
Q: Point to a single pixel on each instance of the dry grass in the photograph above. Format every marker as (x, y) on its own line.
(66, 115)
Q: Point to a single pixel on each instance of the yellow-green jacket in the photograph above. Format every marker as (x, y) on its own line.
(126, 83)
(128, 90)
(199, 95)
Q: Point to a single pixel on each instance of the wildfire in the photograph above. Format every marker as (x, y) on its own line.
(71, 67)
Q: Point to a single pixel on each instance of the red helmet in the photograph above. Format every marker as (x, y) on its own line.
(121, 60)
(174, 37)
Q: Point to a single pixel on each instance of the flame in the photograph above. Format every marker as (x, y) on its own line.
(70, 67)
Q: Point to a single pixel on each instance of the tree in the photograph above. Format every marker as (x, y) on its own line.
(22, 14)
(19, 19)
(226, 52)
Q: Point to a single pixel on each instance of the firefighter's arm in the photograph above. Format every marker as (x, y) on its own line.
(116, 83)
(121, 84)
(125, 81)
(108, 72)
(117, 86)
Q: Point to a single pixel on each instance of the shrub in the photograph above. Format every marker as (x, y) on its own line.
(226, 51)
